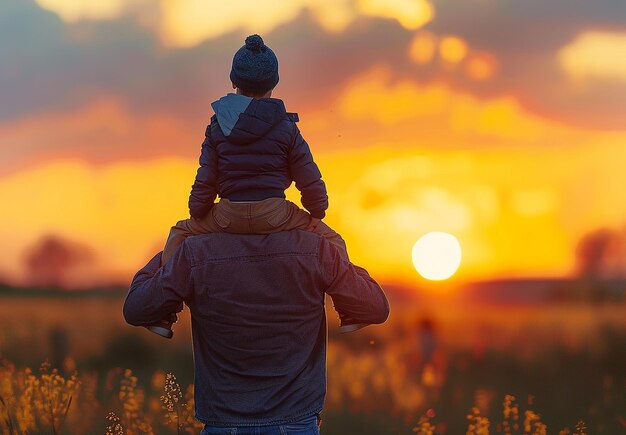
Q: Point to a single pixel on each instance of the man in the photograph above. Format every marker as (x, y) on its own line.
(252, 151)
(258, 322)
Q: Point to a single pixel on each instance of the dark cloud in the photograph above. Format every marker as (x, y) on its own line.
(65, 67)
(50, 66)
(526, 37)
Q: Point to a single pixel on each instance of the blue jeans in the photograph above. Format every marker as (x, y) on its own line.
(306, 426)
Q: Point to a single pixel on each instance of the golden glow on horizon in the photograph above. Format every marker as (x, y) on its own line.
(500, 199)
(436, 255)
(535, 202)
(122, 210)
(595, 54)
(382, 200)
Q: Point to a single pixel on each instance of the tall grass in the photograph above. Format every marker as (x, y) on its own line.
(509, 425)
(46, 401)
(30, 401)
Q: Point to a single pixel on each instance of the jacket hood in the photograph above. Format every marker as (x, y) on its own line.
(243, 119)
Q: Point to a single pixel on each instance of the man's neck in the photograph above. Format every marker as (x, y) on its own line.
(267, 94)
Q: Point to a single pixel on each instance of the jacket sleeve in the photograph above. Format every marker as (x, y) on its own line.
(204, 189)
(353, 291)
(307, 177)
(158, 292)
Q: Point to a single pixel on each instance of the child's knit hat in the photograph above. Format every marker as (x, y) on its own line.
(255, 67)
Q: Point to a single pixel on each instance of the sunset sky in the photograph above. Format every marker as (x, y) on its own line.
(501, 122)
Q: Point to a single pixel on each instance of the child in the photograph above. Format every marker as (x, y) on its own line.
(252, 152)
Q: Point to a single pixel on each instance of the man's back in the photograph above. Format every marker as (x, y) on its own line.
(259, 327)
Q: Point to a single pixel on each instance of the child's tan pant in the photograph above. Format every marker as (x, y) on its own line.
(260, 217)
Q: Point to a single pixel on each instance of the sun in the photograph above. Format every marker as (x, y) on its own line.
(437, 255)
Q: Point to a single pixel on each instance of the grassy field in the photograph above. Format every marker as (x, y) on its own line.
(443, 368)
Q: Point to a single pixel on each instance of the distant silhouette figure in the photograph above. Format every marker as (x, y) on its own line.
(59, 342)
(426, 343)
(427, 340)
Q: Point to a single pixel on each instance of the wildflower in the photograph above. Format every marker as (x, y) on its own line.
(581, 429)
(511, 414)
(172, 395)
(132, 400)
(114, 427)
(424, 427)
(533, 424)
(178, 408)
(478, 425)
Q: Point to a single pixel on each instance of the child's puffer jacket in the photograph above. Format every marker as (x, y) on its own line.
(252, 151)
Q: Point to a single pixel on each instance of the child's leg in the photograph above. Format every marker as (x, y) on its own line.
(333, 237)
(289, 217)
(229, 217)
(271, 216)
(178, 233)
(191, 227)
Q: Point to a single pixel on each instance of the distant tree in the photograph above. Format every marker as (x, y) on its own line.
(599, 254)
(52, 261)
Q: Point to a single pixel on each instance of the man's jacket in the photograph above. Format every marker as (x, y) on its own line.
(253, 150)
(258, 319)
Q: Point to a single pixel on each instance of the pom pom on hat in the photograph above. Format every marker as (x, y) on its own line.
(255, 66)
(255, 43)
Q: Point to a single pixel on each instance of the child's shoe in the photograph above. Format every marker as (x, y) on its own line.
(164, 327)
(348, 324)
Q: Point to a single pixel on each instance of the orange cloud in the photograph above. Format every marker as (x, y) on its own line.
(411, 14)
(375, 96)
(184, 23)
(452, 50)
(74, 10)
(188, 22)
(595, 54)
(103, 131)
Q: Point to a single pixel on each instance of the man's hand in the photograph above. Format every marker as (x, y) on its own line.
(313, 223)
